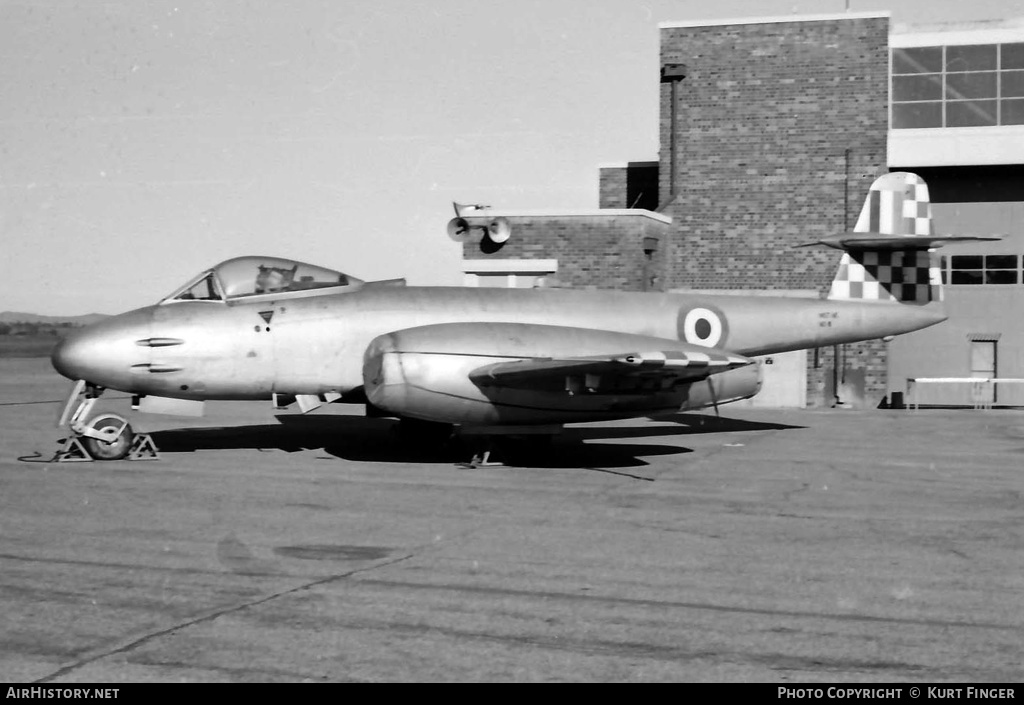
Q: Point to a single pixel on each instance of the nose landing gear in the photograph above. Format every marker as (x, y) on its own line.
(104, 437)
(108, 437)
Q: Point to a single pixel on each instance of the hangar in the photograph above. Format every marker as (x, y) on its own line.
(771, 130)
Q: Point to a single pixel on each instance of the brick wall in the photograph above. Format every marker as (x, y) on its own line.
(777, 125)
(593, 251)
(632, 186)
(763, 120)
(612, 187)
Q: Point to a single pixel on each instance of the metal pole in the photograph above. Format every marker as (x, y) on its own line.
(672, 143)
(837, 363)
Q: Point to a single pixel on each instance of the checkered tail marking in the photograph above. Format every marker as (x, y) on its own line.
(897, 204)
(888, 275)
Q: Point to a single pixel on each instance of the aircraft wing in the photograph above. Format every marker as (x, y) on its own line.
(607, 370)
(524, 373)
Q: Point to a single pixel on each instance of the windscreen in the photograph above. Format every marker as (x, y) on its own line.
(255, 276)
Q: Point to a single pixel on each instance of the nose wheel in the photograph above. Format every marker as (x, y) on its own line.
(103, 437)
(108, 437)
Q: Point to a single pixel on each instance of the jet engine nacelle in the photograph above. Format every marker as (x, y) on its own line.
(497, 230)
(425, 373)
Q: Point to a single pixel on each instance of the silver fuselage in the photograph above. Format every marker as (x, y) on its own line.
(313, 343)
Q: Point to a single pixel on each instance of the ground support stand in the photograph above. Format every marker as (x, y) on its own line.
(481, 460)
(73, 451)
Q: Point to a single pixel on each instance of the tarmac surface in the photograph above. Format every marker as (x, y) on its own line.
(777, 546)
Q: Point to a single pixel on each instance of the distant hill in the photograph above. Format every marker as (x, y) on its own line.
(33, 335)
(19, 317)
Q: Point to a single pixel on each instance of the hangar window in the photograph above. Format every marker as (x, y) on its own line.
(980, 57)
(1012, 56)
(917, 60)
(906, 115)
(971, 113)
(917, 87)
(1013, 112)
(984, 269)
(1013, 84)
(958, 86)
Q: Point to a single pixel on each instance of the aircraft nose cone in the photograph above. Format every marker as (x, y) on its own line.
(104, 352)
(69, 357)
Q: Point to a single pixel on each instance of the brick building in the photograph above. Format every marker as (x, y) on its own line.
(620, 249)
(771, 132)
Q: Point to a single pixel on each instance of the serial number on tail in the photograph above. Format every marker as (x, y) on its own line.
(825, 318)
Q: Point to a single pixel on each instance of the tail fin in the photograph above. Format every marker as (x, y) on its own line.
(897, 204)
(890, 255)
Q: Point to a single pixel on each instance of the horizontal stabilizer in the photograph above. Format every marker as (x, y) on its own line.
(874, 241)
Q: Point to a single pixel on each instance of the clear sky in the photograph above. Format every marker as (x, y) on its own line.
(142, 141)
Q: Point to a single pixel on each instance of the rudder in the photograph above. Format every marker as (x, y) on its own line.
(897, 204)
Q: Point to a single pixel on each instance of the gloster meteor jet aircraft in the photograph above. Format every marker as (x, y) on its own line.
(489, 359)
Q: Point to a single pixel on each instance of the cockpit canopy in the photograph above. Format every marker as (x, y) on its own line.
(259, 276)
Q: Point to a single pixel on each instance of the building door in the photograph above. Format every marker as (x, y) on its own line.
(783, 382)
(983, 366)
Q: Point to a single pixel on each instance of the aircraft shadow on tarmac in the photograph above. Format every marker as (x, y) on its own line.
(377, 440)
(707, 423)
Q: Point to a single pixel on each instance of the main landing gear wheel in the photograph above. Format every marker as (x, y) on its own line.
(116, 437)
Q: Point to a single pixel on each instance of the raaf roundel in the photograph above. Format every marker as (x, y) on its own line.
(703, 324)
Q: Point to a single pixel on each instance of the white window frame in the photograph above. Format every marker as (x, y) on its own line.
(511, 268)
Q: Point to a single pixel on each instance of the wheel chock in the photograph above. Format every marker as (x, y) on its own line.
(143, 448)
(72, 451)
